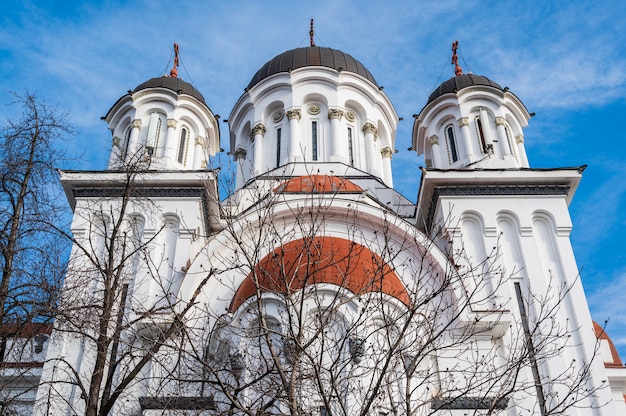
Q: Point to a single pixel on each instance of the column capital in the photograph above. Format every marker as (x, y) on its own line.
(199, 140)
(519, 138)
(387, 152)
(463, 121)
(369, 128)
(258, 130)
(137, 123)
(500, 121)
(116, 141)
(172, 123)
(434, 139)
(335, 113)
(240, 153)
(294, 114)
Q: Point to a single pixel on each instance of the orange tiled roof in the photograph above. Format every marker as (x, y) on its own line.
(316, 260)
(321, 184)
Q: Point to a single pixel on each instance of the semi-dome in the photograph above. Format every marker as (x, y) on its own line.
(311, 56)
(457, 83)
(171, 83)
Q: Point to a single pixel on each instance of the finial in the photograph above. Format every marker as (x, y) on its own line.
(312, 34)
(455, 59)
(174, 71)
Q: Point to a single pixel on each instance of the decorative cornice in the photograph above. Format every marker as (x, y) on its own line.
(519, 138)
(469, 402)
(500, 121)
(369, 128)
(335, 113)
(314, 109)
(489, 190)
(387, 152)
(240, 153)
(172, 123)
(137, 123)
(278, 116)
(294, 114)
(350, 116)
(463, 121)
(434, 139)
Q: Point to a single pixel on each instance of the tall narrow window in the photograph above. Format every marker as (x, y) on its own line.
(350, 147)
(481, 135)
(154, 131)
(314, 139)
(127, 143)
(278, 134)
(509, 140)
(454, 155)
(182, 145)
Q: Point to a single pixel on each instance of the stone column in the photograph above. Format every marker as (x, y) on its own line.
(170, 141)
(387, 155)
(371, 135)
(243, 167)
(338, 142)
(133, 145)
(198, 153)
(295, 153)
(521, 150)
(502, 139)
(256, 134)
(435, 151)
(466, 138)
(115, 158)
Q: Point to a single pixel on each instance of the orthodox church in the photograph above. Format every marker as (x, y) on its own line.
(315, 288)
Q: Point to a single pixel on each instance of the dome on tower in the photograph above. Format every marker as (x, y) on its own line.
(311, 56)
(457, 83)
(171, 83)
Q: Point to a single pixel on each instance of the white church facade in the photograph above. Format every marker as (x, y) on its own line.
(315, 288)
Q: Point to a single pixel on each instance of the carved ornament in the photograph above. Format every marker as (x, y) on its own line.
(335, 113)
(137, 123)
(116, 141)
(199, 140)
(387, 152)
(369, 128)
(519, 138)
(294, 114)
(172, 123)
(463, 121)
(257, 130)
(500, 121)
(240, 153)
(350, 116)
(434, 139)
(278, 116)
(314, 109)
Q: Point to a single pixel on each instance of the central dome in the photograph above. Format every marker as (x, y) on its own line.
(311, 56)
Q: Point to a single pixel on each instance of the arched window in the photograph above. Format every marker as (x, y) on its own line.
(510, 142)
(481, 135)
(182, 145)
(126, 143)
(350, 147)
(314, 143)
(278, 138)
(451, 140)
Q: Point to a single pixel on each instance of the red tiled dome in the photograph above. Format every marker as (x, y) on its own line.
(316, 260)
(321, 184)
(602, 335)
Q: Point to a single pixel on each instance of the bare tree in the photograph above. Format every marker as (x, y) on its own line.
(319, 301)
(32, 254)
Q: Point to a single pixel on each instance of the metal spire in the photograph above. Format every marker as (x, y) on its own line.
(312, 34)
(174, 71)
(455, 59)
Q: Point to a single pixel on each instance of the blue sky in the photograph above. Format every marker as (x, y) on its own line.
(566, 60)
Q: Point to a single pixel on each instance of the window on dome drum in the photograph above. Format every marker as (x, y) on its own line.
(314, 139)
(278, 137)
(454, 155)
(182, 145)
(481, 135)
(350, 147)
(126, 143)
(509, 140)
(154, 131)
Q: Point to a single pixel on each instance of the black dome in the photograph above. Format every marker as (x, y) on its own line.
(311, 56)
(174, 84)
(455, 84)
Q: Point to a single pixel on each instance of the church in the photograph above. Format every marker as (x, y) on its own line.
(303, 283)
